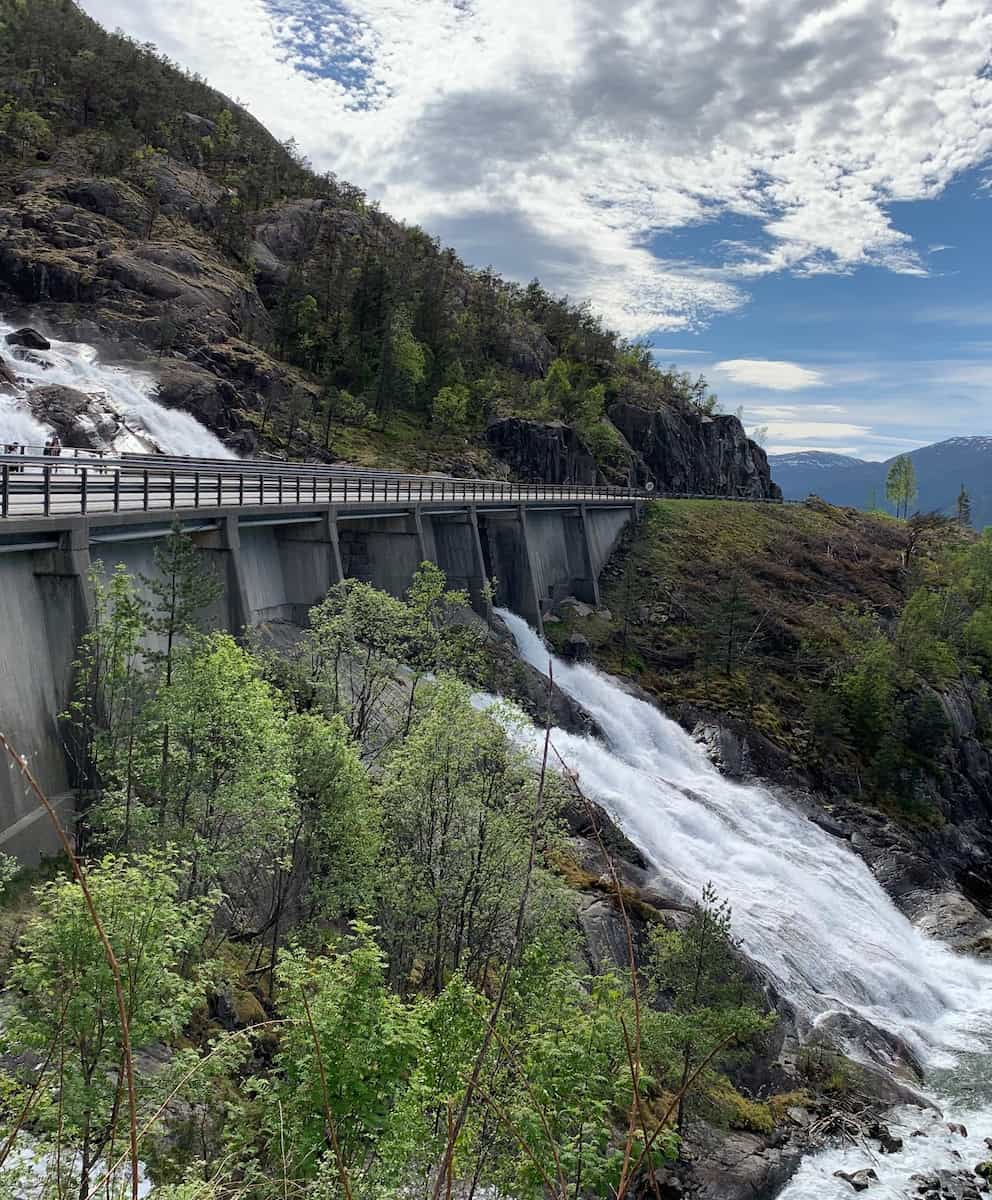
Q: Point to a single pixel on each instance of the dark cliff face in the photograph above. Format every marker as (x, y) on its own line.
(693, 453)
(677, 451)
(542, 452)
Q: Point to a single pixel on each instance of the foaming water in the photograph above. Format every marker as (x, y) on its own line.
(129, 395)
(804, 905)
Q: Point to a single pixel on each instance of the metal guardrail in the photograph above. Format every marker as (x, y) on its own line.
(32, 486)
(87, 482)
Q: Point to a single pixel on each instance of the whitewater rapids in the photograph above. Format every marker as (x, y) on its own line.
(147, 427)
(805, 907)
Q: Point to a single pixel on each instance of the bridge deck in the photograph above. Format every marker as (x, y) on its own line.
(38, 487)
(41, 487)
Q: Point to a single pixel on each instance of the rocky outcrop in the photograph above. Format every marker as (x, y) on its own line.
(542, 451)
(30, 339)
(85, 421)
(674, 450)
(688, 452)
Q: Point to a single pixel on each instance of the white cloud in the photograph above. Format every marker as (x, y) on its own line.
(766, 373)
(590, 131)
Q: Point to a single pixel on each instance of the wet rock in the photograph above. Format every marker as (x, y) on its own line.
(84, 421)
(741, 1166)
(198, 391)
(888, 1143)
(29, 338)
(948, 1185)
(984, 1170)
(8, 380)
(576, 648)
(956, 1127)
(861, 1181)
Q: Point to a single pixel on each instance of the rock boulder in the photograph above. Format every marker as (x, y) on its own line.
(30, 339)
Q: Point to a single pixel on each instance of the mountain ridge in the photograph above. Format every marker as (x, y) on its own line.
(941, 470)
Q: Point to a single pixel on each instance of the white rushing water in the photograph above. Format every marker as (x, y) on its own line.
(124, 394)
(804, 906)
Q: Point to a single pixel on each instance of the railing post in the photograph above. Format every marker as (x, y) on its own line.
(146, 490)
(5, 491)
(241, 490)
(420, 493)
(315, 489)
(360, 490)
(82, 492)
(196, 489)
(220, 489)
(279, 492)
(297, 489)
(172, 489)
(48, 491)
(117, 489)
(261, 488)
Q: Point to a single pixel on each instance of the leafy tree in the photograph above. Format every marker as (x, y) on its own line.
(449, 409)
(900, 484)
(457, 806)
(709, 1007)
(930, 622)
(866, 690)
(63, 990)
(402, 367)
(344, 1059)
(106, 720)
(355, 647)
(228, 793)
(340, 815)
(181, 590)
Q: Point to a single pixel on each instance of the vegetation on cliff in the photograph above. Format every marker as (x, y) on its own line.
(836, 634)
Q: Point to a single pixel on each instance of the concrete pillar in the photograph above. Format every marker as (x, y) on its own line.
(587, 585)
(71, 561)
(238, 606)
(418, 529)
(310, 559)
(334, 544)
(532, 585)
(483, 602)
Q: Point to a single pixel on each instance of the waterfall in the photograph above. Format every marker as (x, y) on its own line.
(123, 402)
(805, 908)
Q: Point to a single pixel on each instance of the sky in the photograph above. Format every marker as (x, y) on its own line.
(791, 197)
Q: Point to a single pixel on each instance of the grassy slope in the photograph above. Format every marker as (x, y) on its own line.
(787, 571)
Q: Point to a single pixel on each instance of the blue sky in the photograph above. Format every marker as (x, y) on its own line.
(787, 196)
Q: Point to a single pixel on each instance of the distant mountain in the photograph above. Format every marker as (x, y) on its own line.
(941, 469)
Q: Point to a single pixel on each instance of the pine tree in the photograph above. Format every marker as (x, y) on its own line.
(964, 507)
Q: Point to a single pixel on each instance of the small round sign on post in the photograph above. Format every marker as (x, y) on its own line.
(649, 486)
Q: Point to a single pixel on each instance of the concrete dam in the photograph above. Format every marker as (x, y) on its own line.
(277, 537)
